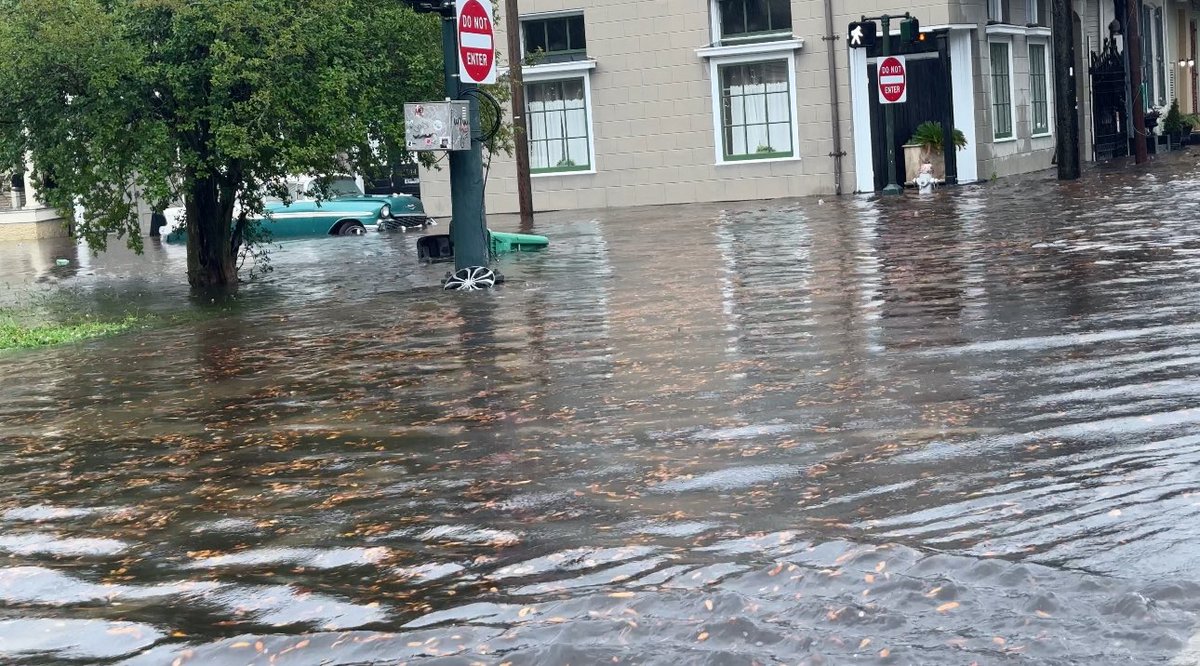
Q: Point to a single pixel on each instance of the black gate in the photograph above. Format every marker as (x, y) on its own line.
(928, 100)
(1109, 122)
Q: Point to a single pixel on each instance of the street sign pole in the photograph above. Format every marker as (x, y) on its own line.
(889, 114)
(468, 230)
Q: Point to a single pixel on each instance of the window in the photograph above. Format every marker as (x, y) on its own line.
(1147, 91)
(1002, 124)
(1160, 57)
(559, 125)
(997, 11)
(1037, 12)
(756, 110)
(556, 38)
(753, 20)
(1039, 107)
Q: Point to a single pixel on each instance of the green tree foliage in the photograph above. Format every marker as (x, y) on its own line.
(208, 101)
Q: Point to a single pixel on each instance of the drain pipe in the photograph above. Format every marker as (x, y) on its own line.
(830, 39)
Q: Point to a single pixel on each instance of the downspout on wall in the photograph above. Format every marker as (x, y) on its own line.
(835, 119)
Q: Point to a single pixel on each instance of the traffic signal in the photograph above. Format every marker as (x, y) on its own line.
(446, 9)
(862, 34)
(910, 31)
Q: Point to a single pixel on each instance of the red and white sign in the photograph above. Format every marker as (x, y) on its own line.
(893, 80)
(476, 42)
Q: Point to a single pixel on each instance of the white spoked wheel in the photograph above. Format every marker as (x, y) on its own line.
(471, 278)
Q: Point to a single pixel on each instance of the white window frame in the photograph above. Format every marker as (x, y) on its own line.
(1012, 93)
(1049, 90)
(751, 53)
(714, 17)
(580, 69)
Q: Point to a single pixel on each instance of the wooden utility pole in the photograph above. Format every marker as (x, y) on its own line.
(512, 25)
(1065, 102)
(1133, 46)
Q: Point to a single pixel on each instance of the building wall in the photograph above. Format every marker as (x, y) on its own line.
(653, 114)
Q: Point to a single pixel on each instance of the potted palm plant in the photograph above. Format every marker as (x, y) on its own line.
(926, 146)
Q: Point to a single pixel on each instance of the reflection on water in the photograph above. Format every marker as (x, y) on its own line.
(924, 430)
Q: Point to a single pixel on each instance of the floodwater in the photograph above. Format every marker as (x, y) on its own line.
(953, 429)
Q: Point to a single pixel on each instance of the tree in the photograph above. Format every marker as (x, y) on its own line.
(211, 101)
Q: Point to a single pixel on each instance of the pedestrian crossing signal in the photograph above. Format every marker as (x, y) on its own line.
(910, 31)
(862, 35)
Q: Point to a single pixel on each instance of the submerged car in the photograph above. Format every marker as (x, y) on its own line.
(344, 211)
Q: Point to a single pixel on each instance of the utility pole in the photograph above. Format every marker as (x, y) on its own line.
(1065, 101)
(889, 114)
(1133, 46)
(468, 232)
(512, 25)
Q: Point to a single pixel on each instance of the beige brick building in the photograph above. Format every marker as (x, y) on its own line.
(637, 103)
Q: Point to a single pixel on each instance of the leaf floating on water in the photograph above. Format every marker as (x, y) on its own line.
(948, 606)
(703, 636)
(865, 642)
(884, 653)
(1114, 513)
(1042, 613)
(708, 603)
(933, 593)
(998, 640)
(880, 567)
(620, 595)
(870, 578)
(241, 644)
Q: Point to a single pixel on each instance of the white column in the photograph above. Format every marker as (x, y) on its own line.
(860, 128)
(962, 75)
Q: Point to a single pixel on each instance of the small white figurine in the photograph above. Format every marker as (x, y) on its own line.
(925, 179)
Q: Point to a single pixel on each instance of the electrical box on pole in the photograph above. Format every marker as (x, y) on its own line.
(432, 126)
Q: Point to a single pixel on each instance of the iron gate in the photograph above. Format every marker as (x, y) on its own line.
(1109, 122)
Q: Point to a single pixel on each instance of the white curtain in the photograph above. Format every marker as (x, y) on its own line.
(558, 125)
(759, 109)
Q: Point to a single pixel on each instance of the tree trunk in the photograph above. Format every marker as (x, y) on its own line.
(212, 258)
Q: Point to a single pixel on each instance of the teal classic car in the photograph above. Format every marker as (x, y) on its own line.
(344, 211)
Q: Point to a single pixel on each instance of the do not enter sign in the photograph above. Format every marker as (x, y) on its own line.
(893, 80)
(476, 42)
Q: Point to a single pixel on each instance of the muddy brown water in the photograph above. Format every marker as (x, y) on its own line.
(942, 430)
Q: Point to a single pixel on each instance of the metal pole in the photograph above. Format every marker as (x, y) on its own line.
(949, 150)
(468, 233)
(834, 112)
(889, 115)
(1065, 103)
(1133, 46)
(512, 24)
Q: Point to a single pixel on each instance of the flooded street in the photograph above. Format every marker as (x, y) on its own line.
(954, 429)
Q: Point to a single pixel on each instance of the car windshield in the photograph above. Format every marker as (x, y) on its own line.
(344, 187)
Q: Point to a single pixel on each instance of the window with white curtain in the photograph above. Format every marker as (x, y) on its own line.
(997, 11)
(756, 110)
(1037, 10)
(559, 125)
(1039, 89)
